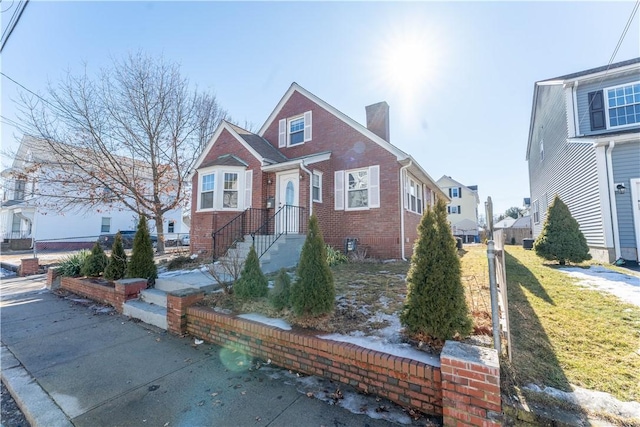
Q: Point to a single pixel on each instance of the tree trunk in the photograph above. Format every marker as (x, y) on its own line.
(160, 232)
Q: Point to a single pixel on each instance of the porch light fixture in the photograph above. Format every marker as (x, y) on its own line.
(620, 188)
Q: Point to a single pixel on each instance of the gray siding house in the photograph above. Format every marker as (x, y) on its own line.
(584, 145)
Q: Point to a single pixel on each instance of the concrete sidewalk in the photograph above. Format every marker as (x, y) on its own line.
(68, 361)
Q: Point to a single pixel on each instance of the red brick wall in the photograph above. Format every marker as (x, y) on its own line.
(376, 229)
(123, 290)
(404, 381)
(29, 266)
(177, 304)
(204, 223)
(471, 386)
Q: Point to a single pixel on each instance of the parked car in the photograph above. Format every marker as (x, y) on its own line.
(185, 240)
(106, 240)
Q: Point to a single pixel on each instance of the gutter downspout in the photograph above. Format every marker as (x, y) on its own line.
(612, 200)
(402, 189)
(304, 168)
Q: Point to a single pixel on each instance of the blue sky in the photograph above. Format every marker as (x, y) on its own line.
(460, 103)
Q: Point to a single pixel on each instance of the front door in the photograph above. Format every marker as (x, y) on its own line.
(288, 186)
(635, 206)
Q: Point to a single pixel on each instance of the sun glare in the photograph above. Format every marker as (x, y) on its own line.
(408, 61)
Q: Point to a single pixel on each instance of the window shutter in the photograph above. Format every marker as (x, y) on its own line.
(459, 210)
(459, 192)
(307, 126)
(248, 186)
(449, 208)
(374, 186)
(282, 133)
(338, 186)
(449, 192)
(596, 111)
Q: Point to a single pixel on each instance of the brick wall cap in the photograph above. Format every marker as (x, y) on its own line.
(185, 292)
(28, 259)
(471, 353)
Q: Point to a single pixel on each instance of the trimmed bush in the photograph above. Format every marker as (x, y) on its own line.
(280, 295)
(117, 266)
(435, 304)
(561, 239)
(335, 257)
(314, 292)
(71, 265)
(252, 283)
(95, 263)
(142, 264)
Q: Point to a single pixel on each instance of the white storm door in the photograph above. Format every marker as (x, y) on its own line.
(288, 200)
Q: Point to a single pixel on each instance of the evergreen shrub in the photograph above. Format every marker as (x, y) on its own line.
(95, 263)
(142, 265)
(252, 283)
(280, 295)
(435, 305)
(314, 291)
(117, 265)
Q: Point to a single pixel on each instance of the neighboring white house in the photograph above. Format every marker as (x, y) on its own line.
(462, 212)
(584, 146)
(24, 220)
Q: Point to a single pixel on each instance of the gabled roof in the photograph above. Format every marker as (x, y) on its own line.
(505, 223)
(261, 145)
(471, 188)
(569, 79)
(522, 222)
(256, 145)
(295, 87)
(225, 160)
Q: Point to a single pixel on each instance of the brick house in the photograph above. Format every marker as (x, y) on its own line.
(308, 157)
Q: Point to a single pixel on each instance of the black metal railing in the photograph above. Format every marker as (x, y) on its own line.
(265, 230)
(234, 231)
(288, 219)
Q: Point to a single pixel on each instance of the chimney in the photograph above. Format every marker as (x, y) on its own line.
(378, 119)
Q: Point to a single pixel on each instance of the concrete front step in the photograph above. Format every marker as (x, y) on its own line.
(148, 313)
(154, 296)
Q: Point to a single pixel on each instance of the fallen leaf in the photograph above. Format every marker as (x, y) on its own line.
(309, 394)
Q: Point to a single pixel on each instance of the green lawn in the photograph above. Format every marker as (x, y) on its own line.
(565, 334)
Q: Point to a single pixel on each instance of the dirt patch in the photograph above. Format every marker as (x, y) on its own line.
(369, 296)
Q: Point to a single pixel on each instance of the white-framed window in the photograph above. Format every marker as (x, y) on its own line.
(455, 192)
(207, 190)
(414, 196)
(19, 188)
(541, 150)
(451, 209)
(295, 130)
(623, 105)
(357, 189)
(105, 227)
(16, 224)
(536, 212)
(224, 188)
(230, 193)
(317, 186)
(171, 226)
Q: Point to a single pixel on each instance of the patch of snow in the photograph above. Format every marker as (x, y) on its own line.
(384, 301)
(278, 323)
(625, 287)
(6, 273)
(383, 345)
(592, 400)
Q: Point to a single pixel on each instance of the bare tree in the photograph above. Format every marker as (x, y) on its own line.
(130, 136)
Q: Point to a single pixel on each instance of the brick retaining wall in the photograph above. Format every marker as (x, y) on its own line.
(116, 296)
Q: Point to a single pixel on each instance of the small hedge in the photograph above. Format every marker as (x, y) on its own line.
(71, 265)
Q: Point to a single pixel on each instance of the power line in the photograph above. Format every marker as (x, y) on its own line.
(10, 6)
(613, 56)
(12, 24)
(27, 89)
